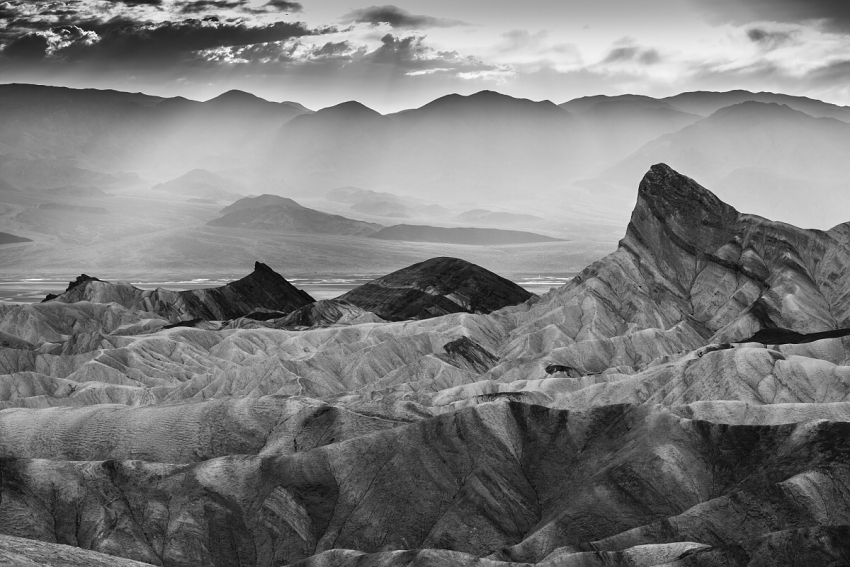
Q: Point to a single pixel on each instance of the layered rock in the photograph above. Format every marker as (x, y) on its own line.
(436, 287)
(261, 289)
(514, 481)
(625, 419)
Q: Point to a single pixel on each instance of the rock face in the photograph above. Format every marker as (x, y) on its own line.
(436, 287)
(626, 419)
(270, 212)
(262, 289)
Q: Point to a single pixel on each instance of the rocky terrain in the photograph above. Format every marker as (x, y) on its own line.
(436, 287)
(263, 289)
(684, 401)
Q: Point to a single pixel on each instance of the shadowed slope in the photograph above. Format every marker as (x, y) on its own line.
(512, 479)
(436, 287)
(262, 289)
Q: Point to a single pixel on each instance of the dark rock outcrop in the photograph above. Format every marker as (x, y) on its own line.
(436, 287)
(777, 336)
(6, 238)
(263, 288)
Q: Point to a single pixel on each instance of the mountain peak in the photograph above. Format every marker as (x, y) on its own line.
(260, 267)
(436, 287)
(673, 209)
(236, 95)
(349, 108)
(754, 107)
(671, 192)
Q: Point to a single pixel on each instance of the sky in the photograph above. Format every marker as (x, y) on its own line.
(402, 55)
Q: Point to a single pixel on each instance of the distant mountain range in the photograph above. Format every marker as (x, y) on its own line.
(270, 212)
(752, 148)
(459, 235)
(203, 184)
(760, 157)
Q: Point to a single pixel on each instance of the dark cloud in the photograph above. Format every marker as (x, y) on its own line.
(397, 18)
(192, 35)
(632, 53)
(836, 13)
(769, 39)
(139, 2)
(28, 46)
(7, 10)
(410, 55)
(284, 6)
(203, 5)
(122, 41)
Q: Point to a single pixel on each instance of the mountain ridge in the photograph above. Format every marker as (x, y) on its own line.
(261, 289)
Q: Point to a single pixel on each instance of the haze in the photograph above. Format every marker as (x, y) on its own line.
(418, 118)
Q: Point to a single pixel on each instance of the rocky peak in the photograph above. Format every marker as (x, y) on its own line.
(436, 287)
(674, 207)
(261, 289)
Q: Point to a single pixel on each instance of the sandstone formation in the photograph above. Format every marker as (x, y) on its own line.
(684, 401)
(436, 287)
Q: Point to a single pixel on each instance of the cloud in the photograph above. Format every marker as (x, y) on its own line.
(7, 10)
(835, 14)
(632, 53)
(140, 2)
(409, 55)
(397, 18)
(770, 39)
(520, 39)
(28, 46)
(123, 41)
(284, 6)
(203, 5)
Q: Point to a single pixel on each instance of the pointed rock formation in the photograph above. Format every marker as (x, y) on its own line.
(261, 289)
(436, 287)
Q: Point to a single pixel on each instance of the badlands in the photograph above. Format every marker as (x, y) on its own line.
(675, 404)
